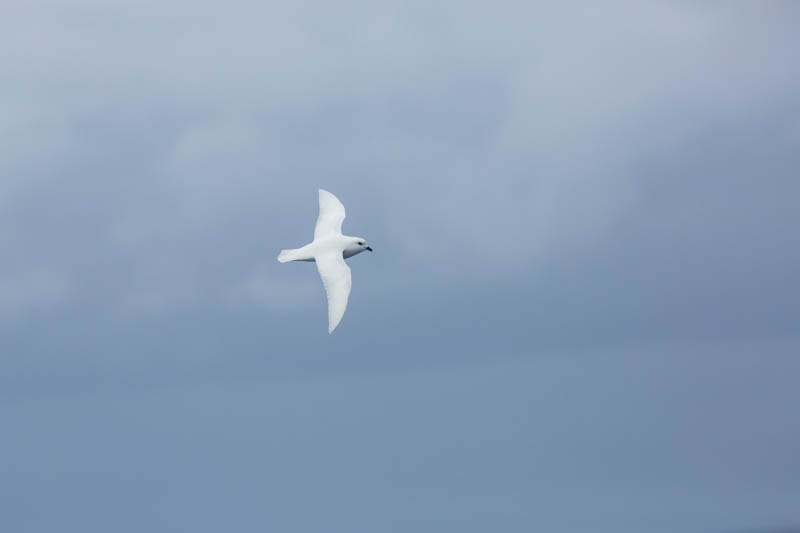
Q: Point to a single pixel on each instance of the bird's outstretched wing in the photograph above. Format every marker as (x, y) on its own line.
(336, 277)
(331, 216)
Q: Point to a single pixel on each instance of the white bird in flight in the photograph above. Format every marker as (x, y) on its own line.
(329, 249)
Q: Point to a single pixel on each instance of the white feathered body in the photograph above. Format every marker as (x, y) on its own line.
(329, 250)
(347, 245)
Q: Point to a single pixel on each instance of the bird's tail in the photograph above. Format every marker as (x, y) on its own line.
(288, 255)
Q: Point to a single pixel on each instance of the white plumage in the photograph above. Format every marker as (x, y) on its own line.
(329, 249)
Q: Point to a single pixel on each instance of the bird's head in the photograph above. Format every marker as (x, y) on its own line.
(357, 245)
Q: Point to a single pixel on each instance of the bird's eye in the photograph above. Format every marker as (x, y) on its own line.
(361, 243)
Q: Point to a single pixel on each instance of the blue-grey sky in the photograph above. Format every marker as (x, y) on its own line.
(581, 313)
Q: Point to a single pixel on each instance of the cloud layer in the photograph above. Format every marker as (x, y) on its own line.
(538, 183)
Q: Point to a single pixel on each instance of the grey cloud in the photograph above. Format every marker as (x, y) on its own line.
(558, 442)
(584, 229)
(542, 149)
(32, 292)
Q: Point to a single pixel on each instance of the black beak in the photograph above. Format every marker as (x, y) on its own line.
(368, 248)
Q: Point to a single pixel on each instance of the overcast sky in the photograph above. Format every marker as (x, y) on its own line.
(582, 312)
